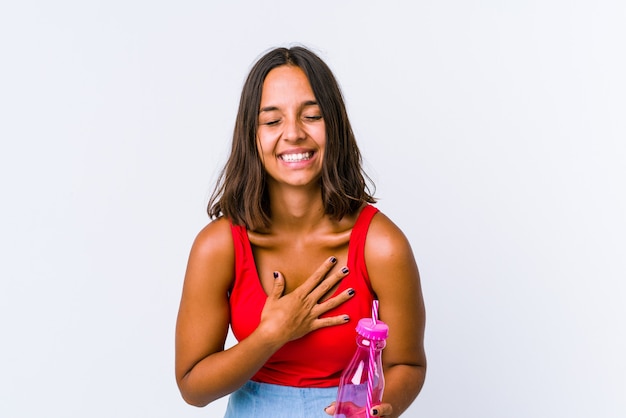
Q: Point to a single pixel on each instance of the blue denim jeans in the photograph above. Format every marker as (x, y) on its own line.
(261, 400)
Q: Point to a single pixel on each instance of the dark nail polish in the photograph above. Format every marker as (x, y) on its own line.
(345, 270)
(350, 292)
(276, 275)
(333, 260)
(346, 318)
(374, 411)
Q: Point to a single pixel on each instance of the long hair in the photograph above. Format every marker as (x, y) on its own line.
(241, 190)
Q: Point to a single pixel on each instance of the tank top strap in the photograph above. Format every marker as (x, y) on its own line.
(240, 239)
(245, 267)
(356, 250)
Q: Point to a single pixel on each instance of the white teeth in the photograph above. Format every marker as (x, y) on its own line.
(293, 158)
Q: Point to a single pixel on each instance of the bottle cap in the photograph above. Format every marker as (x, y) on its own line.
(376, 331)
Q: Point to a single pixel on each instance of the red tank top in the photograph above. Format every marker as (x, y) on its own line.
(318, 358)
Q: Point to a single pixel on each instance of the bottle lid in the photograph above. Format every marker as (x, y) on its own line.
(372, 331)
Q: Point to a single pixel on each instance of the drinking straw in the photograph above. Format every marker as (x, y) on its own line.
(372, 362)
(375, 311)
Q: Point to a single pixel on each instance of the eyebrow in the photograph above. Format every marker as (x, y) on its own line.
(272, 108)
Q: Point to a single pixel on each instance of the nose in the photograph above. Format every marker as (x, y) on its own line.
(293, 129)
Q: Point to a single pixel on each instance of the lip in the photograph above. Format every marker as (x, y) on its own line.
(300, 163)
(297, 151)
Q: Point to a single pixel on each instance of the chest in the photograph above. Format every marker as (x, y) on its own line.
(297, 261)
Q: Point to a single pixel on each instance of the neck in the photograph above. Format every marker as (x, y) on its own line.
(296, 210)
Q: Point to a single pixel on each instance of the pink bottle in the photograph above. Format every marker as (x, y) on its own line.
(362, 383)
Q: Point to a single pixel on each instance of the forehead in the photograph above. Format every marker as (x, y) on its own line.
(286, 84)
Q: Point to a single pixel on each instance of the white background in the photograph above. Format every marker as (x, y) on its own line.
(495, 132)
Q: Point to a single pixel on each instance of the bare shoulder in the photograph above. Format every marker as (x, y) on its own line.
(212, 253)
(215, 237)
(386, 241)
(389, 258)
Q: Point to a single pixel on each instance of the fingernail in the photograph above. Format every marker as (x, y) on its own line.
(345, 270)
(350, 292)
(276, 275)
(333, 260)
(346, 318)
(374, 411)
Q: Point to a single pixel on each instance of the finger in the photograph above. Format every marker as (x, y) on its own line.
(330, 321)
(333, 302)
(382, 410)
(279, 286)
(330, 409)
(319, 275)
(328, 283)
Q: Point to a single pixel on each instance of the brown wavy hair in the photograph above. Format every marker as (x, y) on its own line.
(241, 190)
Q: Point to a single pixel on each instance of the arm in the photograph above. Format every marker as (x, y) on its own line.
(395, 280)
(204, 370)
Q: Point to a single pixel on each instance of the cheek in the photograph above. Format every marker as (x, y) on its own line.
(320, 136)
(261, 144)
(265, 142)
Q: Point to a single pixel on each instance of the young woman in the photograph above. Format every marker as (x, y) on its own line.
(293, 258)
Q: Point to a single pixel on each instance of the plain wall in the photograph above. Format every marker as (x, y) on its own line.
(495, 132)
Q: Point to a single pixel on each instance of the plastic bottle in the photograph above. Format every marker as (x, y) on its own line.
(354, 398)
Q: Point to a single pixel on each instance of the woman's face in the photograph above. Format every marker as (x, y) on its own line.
(291, 133)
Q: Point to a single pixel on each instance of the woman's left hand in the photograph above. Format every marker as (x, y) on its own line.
(383, 410)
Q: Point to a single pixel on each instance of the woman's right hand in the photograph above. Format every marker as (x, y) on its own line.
(288, 317)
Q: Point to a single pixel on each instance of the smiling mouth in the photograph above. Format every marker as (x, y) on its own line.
(297, 157)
